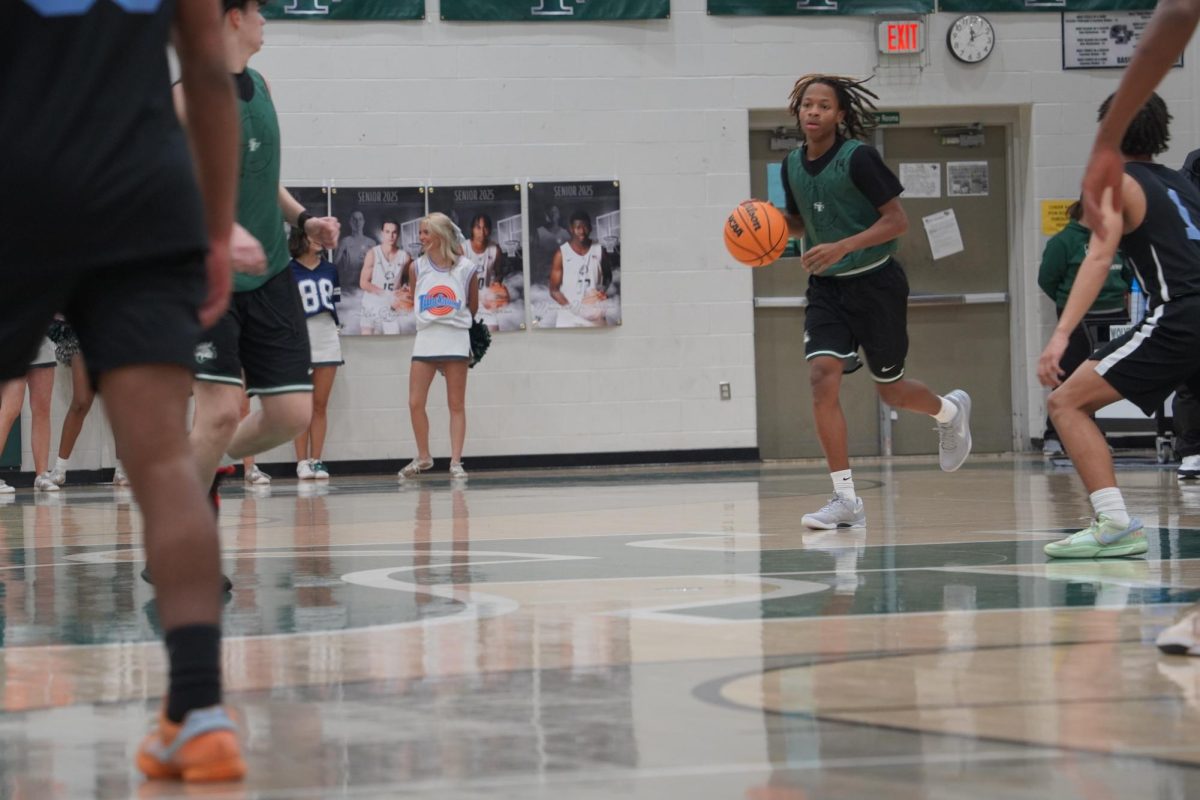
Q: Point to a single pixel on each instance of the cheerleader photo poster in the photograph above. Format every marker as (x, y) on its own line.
(378, 242)
(491, 221)
(575, 254)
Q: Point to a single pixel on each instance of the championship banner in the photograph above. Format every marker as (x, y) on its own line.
(378, 243)
(490, 218)
(789, 8)
(321, 10)
(555, 10)
(1046, 5)
(575, 254)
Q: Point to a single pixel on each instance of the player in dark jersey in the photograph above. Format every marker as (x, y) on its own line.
(263, 338)
(89, 127)
(1156, 229)
(844, 201)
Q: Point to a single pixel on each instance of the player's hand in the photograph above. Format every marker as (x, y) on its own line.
(323, 230)
(1105, 170)
(820, 258)
(403, 299)
(1049, 372)
(494, 296)
(220, 283)
(246, 253)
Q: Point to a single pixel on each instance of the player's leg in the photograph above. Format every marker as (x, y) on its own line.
(420, 377)
(82, 396)
(41, 391)
(456, 400)
(322, 387)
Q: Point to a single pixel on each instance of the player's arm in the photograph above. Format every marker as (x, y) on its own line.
(556, 276)
(473, 294)
(1166, 36)
(1093, 272)
(196, 30)
(364, 277)
(322, 230)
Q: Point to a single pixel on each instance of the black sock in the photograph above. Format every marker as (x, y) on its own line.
(194, 652)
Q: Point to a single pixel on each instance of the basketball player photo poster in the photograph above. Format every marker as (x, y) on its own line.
(491, 221)
(378, 242)
(575, 254)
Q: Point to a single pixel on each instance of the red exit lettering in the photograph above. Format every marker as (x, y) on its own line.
(903, 37)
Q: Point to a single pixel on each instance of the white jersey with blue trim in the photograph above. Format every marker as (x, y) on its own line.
(442, 294)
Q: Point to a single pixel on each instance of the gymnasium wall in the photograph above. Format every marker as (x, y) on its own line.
(663, 106)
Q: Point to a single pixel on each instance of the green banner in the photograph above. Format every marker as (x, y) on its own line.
(788, 8)
(1046, 5)
(555, 10)
(320, 10)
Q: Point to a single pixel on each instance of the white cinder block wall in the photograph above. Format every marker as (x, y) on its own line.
(663, 106)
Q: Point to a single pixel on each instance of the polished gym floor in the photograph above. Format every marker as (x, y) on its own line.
(653, 632)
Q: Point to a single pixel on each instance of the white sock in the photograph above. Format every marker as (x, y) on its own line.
(62, 464)
(1110, 503)
(843, 484)
(948, 413)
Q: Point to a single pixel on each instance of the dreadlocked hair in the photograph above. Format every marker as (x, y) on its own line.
(852, 98)
(1149, 132)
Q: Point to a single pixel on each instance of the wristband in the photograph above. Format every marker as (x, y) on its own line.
(302, 219)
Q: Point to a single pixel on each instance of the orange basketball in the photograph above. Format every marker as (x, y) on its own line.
(756, 233)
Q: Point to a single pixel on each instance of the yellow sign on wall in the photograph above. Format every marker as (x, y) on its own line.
(1054, 215)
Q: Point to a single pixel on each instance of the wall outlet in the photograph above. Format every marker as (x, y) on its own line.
(725, 393)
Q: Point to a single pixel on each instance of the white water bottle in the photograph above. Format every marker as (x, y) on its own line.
(1137, 306)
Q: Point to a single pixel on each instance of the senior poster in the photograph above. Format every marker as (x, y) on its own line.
(490, 218)
(575, 254)
(378, 242)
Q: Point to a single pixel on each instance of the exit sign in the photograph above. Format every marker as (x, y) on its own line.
(902, 37)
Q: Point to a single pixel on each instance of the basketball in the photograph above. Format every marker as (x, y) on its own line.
(756, 233)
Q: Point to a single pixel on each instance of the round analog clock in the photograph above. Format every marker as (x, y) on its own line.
(971, 38)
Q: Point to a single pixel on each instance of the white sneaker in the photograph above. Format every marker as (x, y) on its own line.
(1182, 638)
(837, 513)
(414, 468)
(1052, 447)
(256, 477)
(1190, 468)
(59, 476)
(6, 489)
(318, 470)
(304, 470)
(954, 437)
(457, 473)
(119, 476)
(44, 483)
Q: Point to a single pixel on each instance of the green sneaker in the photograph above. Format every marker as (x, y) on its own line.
(1102, 539)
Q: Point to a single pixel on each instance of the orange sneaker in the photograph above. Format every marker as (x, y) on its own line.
(204, 748)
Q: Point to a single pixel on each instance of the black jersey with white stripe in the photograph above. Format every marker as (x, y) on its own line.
(1164, 250)
(95, 165)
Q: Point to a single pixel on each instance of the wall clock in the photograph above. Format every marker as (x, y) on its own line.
(971, 38)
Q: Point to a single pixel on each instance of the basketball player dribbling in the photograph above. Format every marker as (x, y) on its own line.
(844, 201)
(138, 303)
(385, 290)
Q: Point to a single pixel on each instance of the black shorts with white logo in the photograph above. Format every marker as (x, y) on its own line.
(1158, 354)
(263, 336)
(868, 311)
(125, 314)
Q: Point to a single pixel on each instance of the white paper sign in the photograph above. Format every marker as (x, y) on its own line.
(1102, 40)
(967, 178)
(945, 239)
(921, 180)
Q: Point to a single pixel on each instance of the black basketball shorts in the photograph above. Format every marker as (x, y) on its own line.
(1158, 354)
(867, 311)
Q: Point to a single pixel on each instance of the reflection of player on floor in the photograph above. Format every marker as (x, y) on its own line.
(577, 277)
(385, 291)
(447, 299)
(137, 303)
(1156, 230)
(263, 336)
(844, 201)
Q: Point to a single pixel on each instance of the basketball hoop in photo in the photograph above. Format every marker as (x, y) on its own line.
(510, 247)
(610, 243)
(413, 249)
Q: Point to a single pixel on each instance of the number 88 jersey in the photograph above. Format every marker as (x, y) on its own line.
(319, 288)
